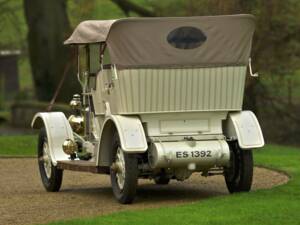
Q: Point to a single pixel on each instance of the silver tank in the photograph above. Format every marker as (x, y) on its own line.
(190, 154)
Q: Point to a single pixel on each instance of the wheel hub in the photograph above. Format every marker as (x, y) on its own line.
(120, 168)
(47, 160)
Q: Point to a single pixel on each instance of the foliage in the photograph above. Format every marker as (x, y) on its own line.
(80, 10)
(18, 145)
(276, 54)
(128, 6)
(1, 91)
(277, 32)
(41, 106)
(13, 36)
(4, 116)
(279, 205)
(276, 47)
(13, 25)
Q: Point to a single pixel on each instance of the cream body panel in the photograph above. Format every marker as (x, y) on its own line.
(244, 127)
(183, 126)
(58, 130)
(174, 124)
(98, 123)
(140, 91)
(100, 95)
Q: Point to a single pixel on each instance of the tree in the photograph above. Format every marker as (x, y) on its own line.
(275, 53)
(276, 45)
(127, 6)
(48, 27)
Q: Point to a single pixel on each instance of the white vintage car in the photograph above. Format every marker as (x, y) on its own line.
(161, 99)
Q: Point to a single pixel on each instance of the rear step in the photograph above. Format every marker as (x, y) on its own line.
(82, 166)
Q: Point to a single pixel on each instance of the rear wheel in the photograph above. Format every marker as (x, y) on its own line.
(51, 176)
(123, 174)
(238, 175)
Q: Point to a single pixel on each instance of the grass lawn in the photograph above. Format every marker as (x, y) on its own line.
(18, 145)
(280, 205)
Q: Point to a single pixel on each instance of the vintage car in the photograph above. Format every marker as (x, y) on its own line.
(161, 99)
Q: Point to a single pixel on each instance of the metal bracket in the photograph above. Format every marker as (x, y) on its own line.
(114, 72)
(107, 108)
(250, 69)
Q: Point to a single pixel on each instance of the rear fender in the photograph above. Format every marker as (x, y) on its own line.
(244, 127)
(131, 133)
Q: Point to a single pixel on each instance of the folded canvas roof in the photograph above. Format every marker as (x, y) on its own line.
(171, 41)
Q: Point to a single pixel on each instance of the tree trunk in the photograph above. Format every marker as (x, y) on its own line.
(48, 27)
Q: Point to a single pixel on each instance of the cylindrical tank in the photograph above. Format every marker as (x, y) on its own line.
(203, 154)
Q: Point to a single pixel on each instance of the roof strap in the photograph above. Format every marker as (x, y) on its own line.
(102, 50)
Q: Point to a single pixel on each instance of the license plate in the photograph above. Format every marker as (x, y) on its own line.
(193, 154)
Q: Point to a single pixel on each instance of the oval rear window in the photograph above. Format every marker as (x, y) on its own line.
(186, 37)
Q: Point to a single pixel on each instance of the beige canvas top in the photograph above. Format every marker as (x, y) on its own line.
(171, 41)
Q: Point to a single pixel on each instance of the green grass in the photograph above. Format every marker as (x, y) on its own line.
(280, 205)
(18, 145)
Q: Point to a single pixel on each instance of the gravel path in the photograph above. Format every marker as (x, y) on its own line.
(24, 201)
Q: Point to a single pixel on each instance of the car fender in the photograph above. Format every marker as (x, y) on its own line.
(131, 133)
(58, 130)
(244, 127)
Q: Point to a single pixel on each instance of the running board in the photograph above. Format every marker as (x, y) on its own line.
(82, 166)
